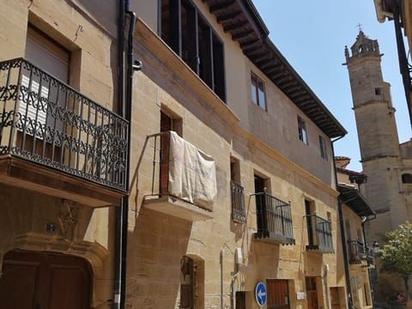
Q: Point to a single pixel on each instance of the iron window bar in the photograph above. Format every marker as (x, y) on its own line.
(45, 121)
(321, 230)
(238, 202)
(274, 219)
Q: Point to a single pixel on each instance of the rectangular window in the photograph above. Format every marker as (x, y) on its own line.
(55, 60)
(257, 88)
(190, 36)
(322, 146)
(309, 211)
(303, 133)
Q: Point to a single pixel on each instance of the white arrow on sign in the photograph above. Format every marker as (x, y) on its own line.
(261, 294)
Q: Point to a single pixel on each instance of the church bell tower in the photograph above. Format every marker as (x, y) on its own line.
(377, 132)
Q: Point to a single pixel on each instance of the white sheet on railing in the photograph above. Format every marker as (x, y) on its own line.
(192, 173)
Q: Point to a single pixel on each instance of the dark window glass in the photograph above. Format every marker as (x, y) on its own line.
(253, 90)
(257, 88)
(189, 40)
(322, 146)
(407, 178)
(205, 65)
(191, 37)
(303, 134)
(218, 68)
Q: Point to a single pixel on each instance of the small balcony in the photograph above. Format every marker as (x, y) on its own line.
(319, 234)
(359, 252)
(55, 141)
(274, 220)
(183, 178)
(238, 202)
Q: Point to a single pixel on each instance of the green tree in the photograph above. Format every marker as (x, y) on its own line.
(396, 254)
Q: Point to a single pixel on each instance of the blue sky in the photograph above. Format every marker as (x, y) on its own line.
(312, 36)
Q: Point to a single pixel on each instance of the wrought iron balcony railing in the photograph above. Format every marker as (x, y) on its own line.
(359, 252)
(274, 219)
(238, 202)
(319, 234)
(47, 122)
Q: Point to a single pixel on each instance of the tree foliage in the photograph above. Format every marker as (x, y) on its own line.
(396, 254)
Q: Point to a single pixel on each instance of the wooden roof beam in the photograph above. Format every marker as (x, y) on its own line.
(221, 6)
(228, 16)
(242, 34)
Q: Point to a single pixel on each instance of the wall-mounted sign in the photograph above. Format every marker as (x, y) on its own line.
(261, 293)
(300, 295)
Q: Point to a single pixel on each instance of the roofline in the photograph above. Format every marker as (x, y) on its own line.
(358, 195)
(306, 86)
(315, 109)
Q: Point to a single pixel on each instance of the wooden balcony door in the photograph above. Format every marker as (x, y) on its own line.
(33, 280)
(167, 123)
(278, 294)
(312, 293)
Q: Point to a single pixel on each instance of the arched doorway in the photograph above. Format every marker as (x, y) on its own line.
(44, 280)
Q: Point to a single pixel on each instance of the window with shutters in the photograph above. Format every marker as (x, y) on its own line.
(55, 60)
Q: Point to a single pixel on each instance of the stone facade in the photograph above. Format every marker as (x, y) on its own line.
(293, 171)
(37, 222)
(225, 255)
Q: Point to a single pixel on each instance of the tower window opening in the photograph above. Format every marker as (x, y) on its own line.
(407, 178)
(378, 91)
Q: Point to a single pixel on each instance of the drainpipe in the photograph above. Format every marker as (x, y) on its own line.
(125, 99)
(371, 284)
(342, 232)
(221, 277)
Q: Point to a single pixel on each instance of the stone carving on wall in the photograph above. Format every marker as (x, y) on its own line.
(68, 219)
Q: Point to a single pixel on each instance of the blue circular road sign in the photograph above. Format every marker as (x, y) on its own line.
(261, 293)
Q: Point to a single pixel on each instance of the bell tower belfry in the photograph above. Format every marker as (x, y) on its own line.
(377, 133)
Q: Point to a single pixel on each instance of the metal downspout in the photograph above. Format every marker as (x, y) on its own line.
(342, 232)
(118, 291)
(125, 98)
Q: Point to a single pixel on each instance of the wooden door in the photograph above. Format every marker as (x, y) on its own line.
(165, 126)
(334, 296)
(312, 293)
(187, 283)
(278, 294)
(240, 300)
(34, 280)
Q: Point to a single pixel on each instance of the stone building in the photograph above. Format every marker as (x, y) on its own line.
(385, 161)
(231, 162)
(356, 213)
(212, 75)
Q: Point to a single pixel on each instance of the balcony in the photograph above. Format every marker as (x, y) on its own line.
(55, 141)
(359, 252)
(183, 178)
(274, 220)
(319, 234)
(238, 202)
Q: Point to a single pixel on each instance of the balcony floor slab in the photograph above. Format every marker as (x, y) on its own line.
(27, 175)
(173, 206)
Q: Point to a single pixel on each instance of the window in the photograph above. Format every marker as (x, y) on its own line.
(52, 58)
(257, 91)
(237, 192)
(406, 178)
(303, 133)
(192, 282)
(322, 146)
(184, 29)
(378, 91)
(309, 212)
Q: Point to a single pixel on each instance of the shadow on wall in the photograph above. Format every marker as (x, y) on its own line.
(155, 250)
